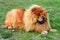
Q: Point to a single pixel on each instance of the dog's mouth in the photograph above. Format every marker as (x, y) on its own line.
(42, 21)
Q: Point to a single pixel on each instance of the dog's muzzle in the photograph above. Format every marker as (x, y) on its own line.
(43, 20)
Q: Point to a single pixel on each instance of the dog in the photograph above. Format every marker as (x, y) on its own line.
(33, 19)
(14, 19)
(37, 19)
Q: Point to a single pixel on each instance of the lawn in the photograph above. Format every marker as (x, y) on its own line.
(52, 7)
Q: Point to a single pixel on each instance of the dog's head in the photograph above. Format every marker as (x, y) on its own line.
(39, 13)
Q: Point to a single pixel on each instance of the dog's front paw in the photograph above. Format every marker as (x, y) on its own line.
(27, 30)
(44, 32)
(53, 30)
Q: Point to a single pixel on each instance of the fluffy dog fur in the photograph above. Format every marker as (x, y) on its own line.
(14, 19)
(34, 14)
(33, 19)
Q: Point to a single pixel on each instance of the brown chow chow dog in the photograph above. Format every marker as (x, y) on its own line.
(33, 19)
(36, 19)
(14, 19)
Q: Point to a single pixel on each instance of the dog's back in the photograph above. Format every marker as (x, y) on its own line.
(14, 18)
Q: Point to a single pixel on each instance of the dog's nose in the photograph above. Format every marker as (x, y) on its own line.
(43, 20)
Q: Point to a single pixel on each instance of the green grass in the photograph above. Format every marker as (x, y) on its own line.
(6, 33)
(52, 7)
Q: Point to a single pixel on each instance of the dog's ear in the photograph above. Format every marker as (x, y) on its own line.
(23, 9)
(34, 10)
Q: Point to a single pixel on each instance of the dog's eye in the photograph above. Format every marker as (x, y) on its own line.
(38, 14)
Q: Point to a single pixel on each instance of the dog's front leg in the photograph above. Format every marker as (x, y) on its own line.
(48, 25)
